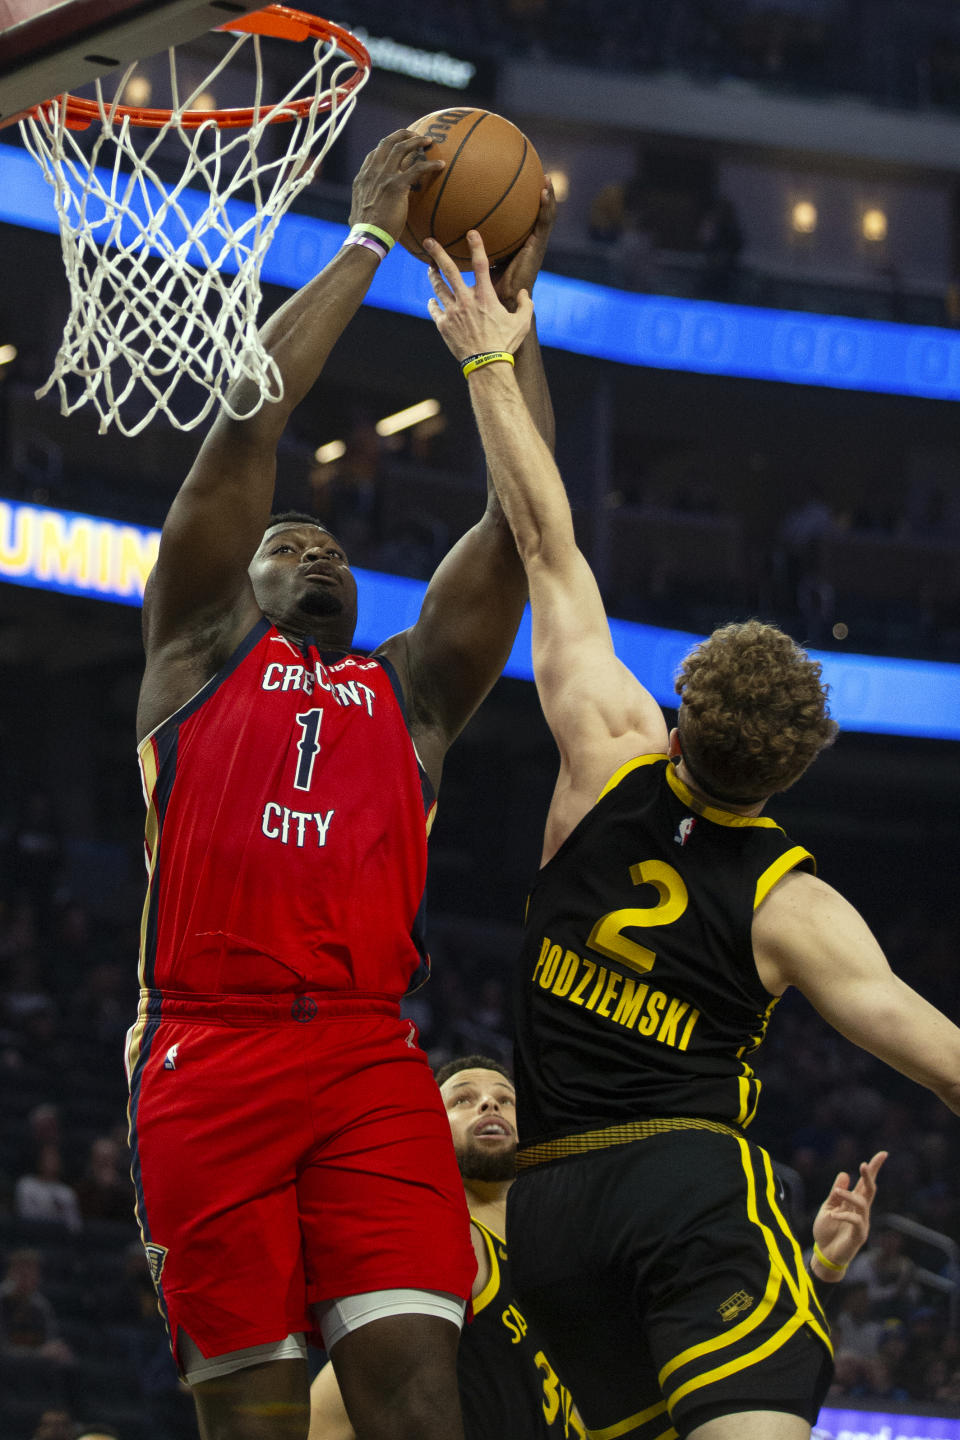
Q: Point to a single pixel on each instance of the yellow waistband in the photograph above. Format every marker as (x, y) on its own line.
(614, 1135)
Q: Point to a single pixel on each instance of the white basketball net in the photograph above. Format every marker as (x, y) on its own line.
(165, 278)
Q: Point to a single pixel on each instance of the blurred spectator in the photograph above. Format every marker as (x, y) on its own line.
(647, 229)
(73, 951)
(43, 1128)
(27, 1321)
(26, 994)
(55, 1425)
(482, 1027)
(800, 562)
(948, 1393)
(856, 1331)
(345, 490)
(934, 1376)
(102, 1002)
(881, 1383)
(606, 219)
(720, 240)
(131, 1299)
(925, 1334)
(18, 926)
(416, 547)
(43, 1195)
(932, 513)
(621, 220)
(35, 849)
(105, 1192)
(892, 1352)
(633, 258)
(806, 526)
(889, 1275)
(850, 1374)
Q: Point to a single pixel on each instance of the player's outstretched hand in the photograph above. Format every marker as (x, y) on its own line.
(471, 318)
(522, 269)
(842, 1224)
(381, 191)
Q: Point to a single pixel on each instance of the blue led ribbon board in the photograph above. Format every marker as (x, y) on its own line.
(659, 331)
(101, 559)
(878, 1425)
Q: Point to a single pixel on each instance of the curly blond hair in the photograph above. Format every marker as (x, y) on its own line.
(754, 712)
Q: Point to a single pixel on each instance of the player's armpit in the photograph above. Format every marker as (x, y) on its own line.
(328, 1414)
(805, 934)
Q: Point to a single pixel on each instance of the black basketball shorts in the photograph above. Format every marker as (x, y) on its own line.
(667, 1282)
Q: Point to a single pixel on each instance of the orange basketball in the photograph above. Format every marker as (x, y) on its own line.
(491, 182)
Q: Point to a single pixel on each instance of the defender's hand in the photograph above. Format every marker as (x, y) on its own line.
(471, 318)
(381, 191)
(842, 1224)
(521, 271)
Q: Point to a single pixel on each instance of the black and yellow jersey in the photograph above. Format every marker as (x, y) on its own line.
(636, 993)
(508, 1388)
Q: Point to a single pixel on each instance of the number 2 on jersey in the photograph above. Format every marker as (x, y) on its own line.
(607, 936)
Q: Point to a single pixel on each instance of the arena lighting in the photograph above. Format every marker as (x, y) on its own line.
(561, 184)
(403, 419)
(7, 353)
(874, 225)
(138, 91)
(86, 555)
(698, 336)
(803, 217)
(326, 454)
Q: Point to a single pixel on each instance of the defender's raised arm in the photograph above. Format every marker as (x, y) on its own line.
(600, 715)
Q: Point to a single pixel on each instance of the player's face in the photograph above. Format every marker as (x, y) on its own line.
(481, 1106)
(301, 575)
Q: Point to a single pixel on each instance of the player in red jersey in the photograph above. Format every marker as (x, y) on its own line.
(282, 1115)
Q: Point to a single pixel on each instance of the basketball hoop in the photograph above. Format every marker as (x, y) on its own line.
(165, 278)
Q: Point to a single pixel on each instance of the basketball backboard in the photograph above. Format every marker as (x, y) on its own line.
(48, 46)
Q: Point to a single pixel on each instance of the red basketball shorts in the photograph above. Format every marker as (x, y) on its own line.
(288, 1150)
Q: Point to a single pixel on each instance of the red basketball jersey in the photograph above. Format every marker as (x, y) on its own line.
(286, 836)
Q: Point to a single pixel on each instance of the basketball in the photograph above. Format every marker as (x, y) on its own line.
(491, 182)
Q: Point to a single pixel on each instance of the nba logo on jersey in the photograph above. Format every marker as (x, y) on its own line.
(170, 1059)
(684, 830)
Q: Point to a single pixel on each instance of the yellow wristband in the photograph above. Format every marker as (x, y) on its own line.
(827, 1264)
(383, 236)
(487, 357)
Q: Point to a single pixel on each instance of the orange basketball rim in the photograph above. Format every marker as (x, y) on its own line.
(276, 22)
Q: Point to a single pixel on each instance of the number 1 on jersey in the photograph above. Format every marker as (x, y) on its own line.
(308, 746)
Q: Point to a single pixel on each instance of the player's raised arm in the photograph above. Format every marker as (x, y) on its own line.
(806, 934)
(216, 522)
(466, 628)
(598, 712)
